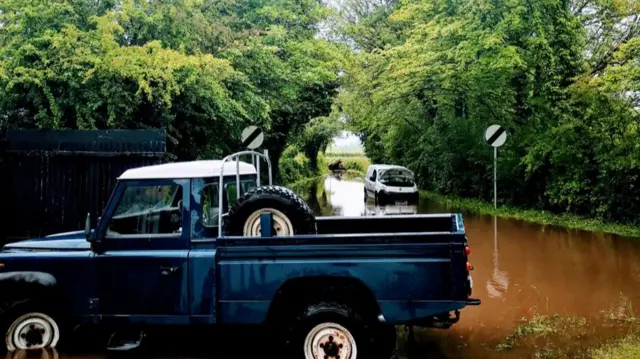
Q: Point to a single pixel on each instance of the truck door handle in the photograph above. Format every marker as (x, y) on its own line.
(165, 270)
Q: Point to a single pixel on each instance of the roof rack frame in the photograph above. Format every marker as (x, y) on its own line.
(255, 158)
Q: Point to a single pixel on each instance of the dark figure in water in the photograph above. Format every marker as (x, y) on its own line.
(336, 165)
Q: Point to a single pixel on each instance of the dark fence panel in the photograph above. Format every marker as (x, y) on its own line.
(51, 179)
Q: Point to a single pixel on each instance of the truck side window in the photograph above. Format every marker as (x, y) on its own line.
(245, 186)
(374, 175)
(151, 209)
(210, 201)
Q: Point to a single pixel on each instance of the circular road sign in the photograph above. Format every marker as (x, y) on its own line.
(252, 137)
(495, 135)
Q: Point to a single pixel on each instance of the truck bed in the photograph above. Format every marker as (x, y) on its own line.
(414, 266)
(421, 223)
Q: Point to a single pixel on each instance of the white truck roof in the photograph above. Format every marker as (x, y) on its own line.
(191, 169)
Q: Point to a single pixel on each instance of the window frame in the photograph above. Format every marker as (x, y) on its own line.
(217, 202)
(119, 195)
(226, 200)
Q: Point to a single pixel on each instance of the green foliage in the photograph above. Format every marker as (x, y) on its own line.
(295, 166)
(423, 95)
(202, 70)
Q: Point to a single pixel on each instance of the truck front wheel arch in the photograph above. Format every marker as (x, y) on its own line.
(31, 299)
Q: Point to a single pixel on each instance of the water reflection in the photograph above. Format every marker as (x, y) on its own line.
(344, 196)
(371, 209)
(33, 354)
(499, 282)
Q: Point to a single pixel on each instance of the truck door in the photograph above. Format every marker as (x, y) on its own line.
(142, 263)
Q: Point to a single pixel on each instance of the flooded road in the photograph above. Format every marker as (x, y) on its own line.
(523, 272)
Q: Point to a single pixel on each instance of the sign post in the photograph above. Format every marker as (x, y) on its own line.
(251, 138)
(495, 135)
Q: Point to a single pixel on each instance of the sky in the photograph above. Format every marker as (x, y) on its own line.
(346, 140)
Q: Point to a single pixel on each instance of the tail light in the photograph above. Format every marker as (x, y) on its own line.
(468, 250)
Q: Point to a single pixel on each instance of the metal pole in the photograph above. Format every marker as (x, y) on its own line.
(238, 177)
(495, 176)
(266, 153)
(258, 160)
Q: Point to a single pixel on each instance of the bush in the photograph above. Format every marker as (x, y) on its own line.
(294, 166)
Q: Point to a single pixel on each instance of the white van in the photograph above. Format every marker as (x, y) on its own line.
(390, 184)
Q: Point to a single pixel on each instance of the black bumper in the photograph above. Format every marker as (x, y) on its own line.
(392, 197)
(473, 301)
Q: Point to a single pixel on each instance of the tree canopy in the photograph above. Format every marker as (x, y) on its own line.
(200, 69)
(418, 80)
(429, 76)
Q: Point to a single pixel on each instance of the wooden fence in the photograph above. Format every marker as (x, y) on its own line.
(51, 179)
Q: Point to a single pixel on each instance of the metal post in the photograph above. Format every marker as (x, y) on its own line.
(238, 177)
(258, 160)
(495, 178)
(266, 153)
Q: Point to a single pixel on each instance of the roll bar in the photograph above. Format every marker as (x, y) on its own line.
(255, 158)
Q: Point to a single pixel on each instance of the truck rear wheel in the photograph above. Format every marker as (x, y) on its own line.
(336, 331)
(291, 214)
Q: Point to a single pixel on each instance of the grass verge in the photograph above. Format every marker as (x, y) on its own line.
(612, 336)
(626, 348)
(536, 216)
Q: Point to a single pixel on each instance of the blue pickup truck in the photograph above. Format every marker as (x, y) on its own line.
(204, 243)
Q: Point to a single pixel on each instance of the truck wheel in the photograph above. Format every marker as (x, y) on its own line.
(291, 214)
(29, 326)
(331, 330)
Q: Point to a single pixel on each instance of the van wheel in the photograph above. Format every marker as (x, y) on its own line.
(291, 214)
(27, 326)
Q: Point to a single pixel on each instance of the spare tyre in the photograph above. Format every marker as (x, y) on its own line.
(291, 214)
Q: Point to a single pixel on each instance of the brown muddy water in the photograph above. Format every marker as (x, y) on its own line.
(522, 272)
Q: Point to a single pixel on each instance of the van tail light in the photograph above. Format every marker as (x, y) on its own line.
(469, 267)
(467, 249)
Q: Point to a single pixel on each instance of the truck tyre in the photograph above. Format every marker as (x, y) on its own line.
(291, 214)
(333, 330)
(27, 325)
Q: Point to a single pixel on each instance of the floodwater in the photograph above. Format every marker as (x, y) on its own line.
(521, 270)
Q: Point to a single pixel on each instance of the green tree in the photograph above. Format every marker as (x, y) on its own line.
(561, 76)
(200, 69)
